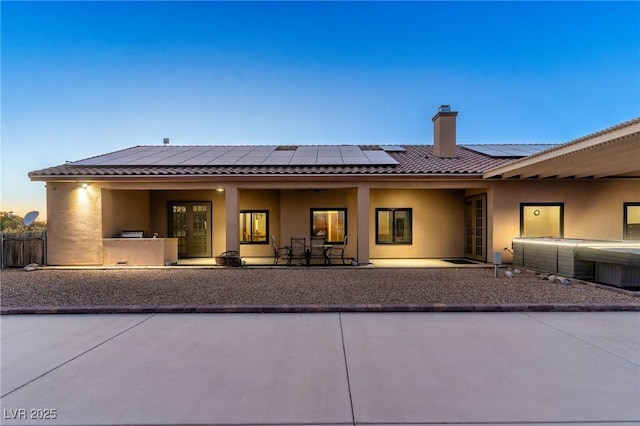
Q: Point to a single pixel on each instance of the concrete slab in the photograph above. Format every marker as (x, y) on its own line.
(490, 367)
(423, 263)
(438, 368)
(34, 344)
(177, 369)
(613, 332)
(510, 424)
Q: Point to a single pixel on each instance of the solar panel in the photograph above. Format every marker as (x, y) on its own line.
(306, 155)
(509, 150)
(278, 158)
(392, 148)
(379, 157)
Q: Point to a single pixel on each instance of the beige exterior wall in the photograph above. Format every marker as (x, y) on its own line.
(438, 222)
(139, 251)
(125, 210)
(78, 219)
(592, 209)
(74, 224)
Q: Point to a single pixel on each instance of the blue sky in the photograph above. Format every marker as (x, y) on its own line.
(85, 78)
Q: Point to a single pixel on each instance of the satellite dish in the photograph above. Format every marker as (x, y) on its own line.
(30, 217)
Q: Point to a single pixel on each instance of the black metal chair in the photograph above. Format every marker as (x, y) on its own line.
(337, 251)
(317, 249)
(279, 252)
(297, 249)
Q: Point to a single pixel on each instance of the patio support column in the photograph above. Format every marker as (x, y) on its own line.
(363, 224)
(232, 213)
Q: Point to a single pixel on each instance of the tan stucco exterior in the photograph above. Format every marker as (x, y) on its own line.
(139, 251)
(79, 219)
(438, 222)
(125, 210)
(592, 209)
(74, 228)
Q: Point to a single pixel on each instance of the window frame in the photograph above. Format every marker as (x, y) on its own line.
(393, 211)
(625, 218)
(266, 231)
(545, 204)
(328, 209)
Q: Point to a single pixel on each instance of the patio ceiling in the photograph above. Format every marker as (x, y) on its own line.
(613, 152)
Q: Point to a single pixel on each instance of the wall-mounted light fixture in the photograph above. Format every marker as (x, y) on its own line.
(220, 189)
(83, 185)
(536, 212)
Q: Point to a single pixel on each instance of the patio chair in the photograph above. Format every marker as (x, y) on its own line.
(337, 251)
(297, 249)
(317, 249)
(279, 252)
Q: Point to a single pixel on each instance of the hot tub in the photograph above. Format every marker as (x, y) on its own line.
(609, 262)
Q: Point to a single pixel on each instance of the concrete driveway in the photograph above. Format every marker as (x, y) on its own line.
(349, 368)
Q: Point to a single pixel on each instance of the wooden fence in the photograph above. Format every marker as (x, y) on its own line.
(19, 249)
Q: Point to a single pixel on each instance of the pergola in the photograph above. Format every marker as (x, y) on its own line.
(613, 152)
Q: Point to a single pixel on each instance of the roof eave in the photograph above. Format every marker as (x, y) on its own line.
(271, 177)
(519, 167)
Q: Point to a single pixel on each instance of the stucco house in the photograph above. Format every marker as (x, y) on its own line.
(445, 200)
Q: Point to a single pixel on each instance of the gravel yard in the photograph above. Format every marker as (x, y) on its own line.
(274, 286)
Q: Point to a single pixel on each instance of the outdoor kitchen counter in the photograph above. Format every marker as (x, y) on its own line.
(139, 251)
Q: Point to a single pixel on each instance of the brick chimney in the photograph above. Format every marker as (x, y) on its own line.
(444, 132)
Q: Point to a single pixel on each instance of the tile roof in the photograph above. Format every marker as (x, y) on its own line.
(414, 160)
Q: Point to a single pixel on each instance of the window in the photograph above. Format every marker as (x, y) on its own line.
(632, 221)
(393, 226)
(254, 226)
(329, 223)
(542, 220)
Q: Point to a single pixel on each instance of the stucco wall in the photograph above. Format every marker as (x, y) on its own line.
(79, 218)
(74, 224)
(139, 251)
(438, 222)
(125, 210)
(592, 209)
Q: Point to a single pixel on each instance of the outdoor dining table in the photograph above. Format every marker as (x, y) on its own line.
(308, 256)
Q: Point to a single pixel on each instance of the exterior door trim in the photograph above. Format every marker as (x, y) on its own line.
(208, 227)
(482, 257)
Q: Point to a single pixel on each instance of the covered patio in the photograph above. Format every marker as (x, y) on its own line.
(373, 263)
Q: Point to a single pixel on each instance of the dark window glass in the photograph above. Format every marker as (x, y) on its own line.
(393, 226)
(331, 224)
(254, 226)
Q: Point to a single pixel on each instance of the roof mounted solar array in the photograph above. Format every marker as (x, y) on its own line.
(311, 155)
(392, 148)
(506, 150)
